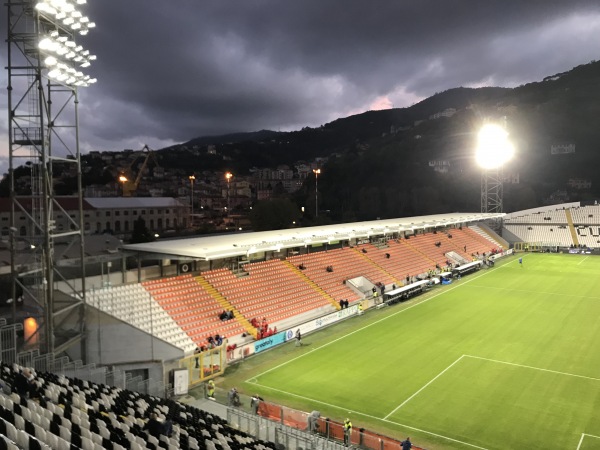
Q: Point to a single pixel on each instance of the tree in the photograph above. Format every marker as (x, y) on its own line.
(275, 214)
(140, 232)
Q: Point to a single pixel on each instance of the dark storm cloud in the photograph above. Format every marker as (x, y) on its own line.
(171, 71)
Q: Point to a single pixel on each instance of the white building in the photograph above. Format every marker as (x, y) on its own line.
(109, 214)
(562, 149)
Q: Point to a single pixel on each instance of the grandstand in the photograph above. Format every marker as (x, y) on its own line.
(566, 225)
(291, 278)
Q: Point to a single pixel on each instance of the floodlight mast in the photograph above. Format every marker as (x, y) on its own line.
(493, 151)
(45, 69)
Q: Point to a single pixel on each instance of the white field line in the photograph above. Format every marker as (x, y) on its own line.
(583, 259)
(583, 435)
(580, 441)
(423, 387)
(374, 323)
(534, 368)
(372, 417)
(529, 291)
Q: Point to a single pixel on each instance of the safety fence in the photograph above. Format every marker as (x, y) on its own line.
(299, 429)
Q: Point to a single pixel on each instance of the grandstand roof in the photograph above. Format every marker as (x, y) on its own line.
(243, 244)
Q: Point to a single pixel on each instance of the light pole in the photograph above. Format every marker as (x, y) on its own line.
(228, 176)
(122, 180)
(316, 172)
(192, 179)
(493, 151)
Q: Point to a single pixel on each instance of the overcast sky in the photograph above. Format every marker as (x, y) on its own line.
(169, 71)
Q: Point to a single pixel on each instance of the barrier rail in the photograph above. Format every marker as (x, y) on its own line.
(292, 428)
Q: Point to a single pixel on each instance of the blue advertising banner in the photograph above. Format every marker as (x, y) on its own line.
(269, 342)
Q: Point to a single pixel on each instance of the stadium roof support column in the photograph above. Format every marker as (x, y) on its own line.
(44, 62)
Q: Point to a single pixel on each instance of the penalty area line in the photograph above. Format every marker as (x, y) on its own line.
(420, 430)
(423, 387)
(558, 372)
(583, 435)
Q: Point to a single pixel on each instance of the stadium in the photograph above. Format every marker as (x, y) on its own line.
(448, 331)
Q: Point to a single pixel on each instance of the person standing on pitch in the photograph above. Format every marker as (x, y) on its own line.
(347, 431)
(521, 262)
(298, 338)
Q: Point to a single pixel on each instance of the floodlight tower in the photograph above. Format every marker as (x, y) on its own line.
(44, 67)
(493, 151)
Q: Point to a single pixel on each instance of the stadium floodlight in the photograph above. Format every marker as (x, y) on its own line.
(493, 147)
(493, 151)
(61, 53)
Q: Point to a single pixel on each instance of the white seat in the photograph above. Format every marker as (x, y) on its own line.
(96, 438)
(63, 445)
(87, 444)
(40, 433)
(86, 433)
(22, 439)
(26, 413)
(19, 422)
(65, 433)
(104, 432)
(51, 440)
(66, 423)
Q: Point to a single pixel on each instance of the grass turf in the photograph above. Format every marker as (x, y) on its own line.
(507, 357)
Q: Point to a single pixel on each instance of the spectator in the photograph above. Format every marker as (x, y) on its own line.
(233, 398)
(24, 382)
(406, 444)
(313, 421)
(155, 427)
(255, 403)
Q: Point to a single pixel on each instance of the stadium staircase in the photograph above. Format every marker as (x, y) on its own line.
(489, 234)
(572, 227)
(312, 284)
(370, 261)
(238, 316)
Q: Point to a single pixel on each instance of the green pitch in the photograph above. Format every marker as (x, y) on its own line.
(505, 358)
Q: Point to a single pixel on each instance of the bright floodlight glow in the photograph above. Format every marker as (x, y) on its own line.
(493, 147)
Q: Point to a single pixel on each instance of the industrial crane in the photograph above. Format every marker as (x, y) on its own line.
(129, 179)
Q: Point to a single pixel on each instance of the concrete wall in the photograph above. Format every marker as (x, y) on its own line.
(111, 341)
